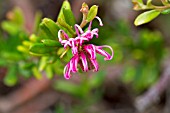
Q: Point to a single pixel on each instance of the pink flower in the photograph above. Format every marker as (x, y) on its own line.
(84, 55)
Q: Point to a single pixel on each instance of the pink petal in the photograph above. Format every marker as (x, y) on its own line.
(73, 46)
(74, 63)
(95, 64)
(59, 35)
(66, 43)
(67, 71)
(95, 32)
(91, 50)
(80, 40)
(104, 53)
(87, 35)
(84, 61)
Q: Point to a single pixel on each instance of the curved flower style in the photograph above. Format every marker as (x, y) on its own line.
(84, 55)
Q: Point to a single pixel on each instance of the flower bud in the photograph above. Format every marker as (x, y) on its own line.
(85, 8)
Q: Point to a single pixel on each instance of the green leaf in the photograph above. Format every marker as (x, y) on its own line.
(34, 38)
(165, 2)
(92, 13)
(51, 43)
(69, 16)
(11, 77)
(149, 2)
(140, 1)
(52, 26)
(45, 31)
(65, 5)
(16, 16)
(10, 27)
(146, 17)
(166, 11)
(43, 63)
(49, 72)
(66, 26)
(41, 49)
(37, 21)
(23, 49)
(36, 73)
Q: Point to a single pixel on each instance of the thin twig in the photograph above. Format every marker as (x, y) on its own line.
(152, 96)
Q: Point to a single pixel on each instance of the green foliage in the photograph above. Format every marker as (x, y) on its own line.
(166, 11)
(41, 49)
(153, 12)
(51, 26)
(84, 88)
(66, 18)
(11, 77)
(51, 43)
(146, 53)
(10, 57)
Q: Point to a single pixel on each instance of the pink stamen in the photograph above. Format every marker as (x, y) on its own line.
(89, 28)
(84, 61)
(95, 64)
(100, 21)
(78, 28)
(91, 50)
(67, 71)
(104, 53)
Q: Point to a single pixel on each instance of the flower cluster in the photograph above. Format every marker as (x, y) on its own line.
(83, 54)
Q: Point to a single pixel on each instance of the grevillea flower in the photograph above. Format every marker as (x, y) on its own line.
(83, 54)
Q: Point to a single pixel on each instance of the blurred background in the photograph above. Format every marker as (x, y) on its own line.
(135, 81)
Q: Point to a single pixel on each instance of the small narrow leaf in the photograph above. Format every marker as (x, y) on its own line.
(69, 17)
(49, 71)
(11, 77)
(65, 5)
(52, 26)
(43, 63)
(40, 48)
(36, 73)
(52, 43)
(167, 11)
(16, 16)
(22, 48)
(149, 2)
(66, 26)
(146, 17)
(26, 43)
(37, 20)
(165, 2)
(10, 27)
(33, 38)
(92, 13)
(44, 30)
